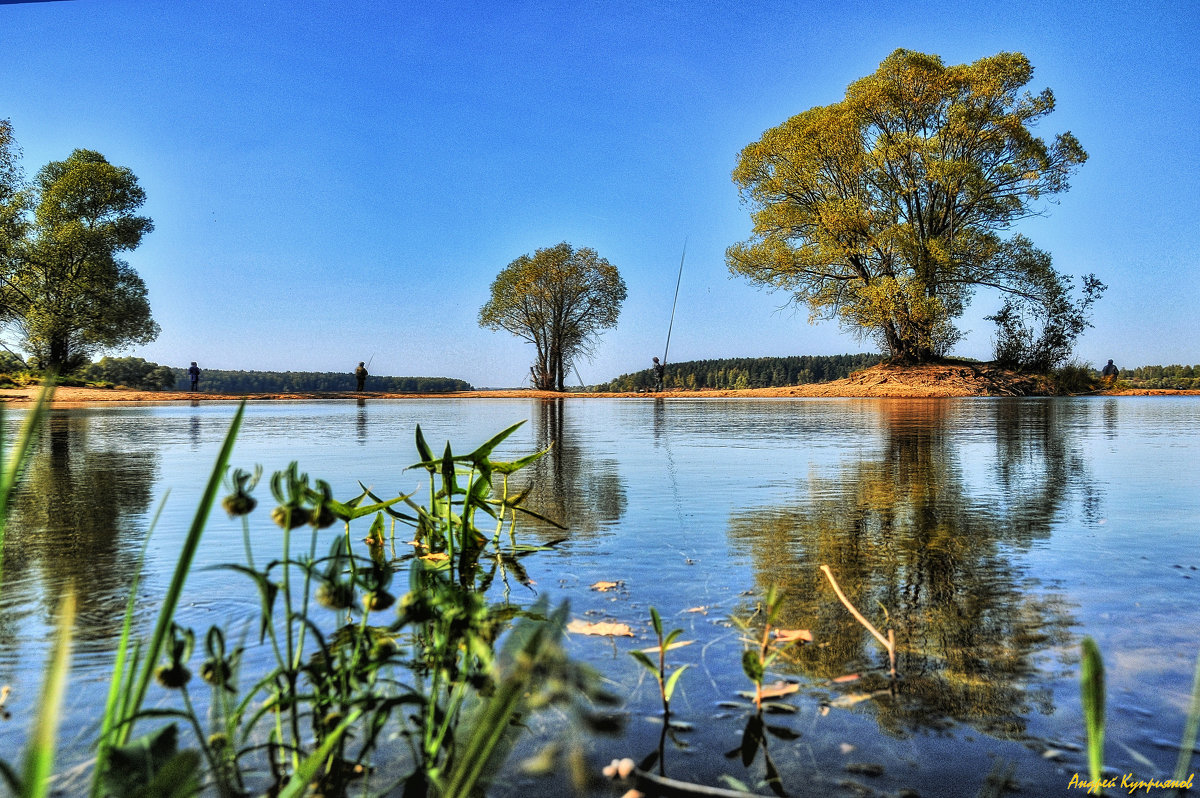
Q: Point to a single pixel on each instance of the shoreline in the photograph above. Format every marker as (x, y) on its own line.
(949, 379)
(69, 396)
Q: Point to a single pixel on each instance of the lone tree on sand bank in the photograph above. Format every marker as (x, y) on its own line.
(885, 210)
(559, 299)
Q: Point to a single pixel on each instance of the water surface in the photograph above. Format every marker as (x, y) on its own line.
(990, 534)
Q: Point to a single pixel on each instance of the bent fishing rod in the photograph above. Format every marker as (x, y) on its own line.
(678, 279)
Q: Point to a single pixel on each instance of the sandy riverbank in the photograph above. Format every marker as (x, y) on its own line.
(929, 381)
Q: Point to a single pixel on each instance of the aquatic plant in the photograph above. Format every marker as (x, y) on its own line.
(315, 719)
(666, 684)
(1092, 698)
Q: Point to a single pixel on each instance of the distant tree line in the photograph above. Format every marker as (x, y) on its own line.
(1174, 376)
(136, 372)
(746, 372)
(217, 381)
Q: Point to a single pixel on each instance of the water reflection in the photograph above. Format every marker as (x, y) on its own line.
(72, 524)
(360, 421)
(927, 528)
(568, 484)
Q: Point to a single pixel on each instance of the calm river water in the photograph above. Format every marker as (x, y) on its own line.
(991, 534)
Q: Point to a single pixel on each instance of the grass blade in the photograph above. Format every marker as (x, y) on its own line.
(39, 757)
(1191, 727)
(186, 555)
(1092, 695)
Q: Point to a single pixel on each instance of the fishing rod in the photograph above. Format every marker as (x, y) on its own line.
(675, 302)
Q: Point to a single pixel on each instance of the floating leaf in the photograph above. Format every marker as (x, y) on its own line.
(435, 556)
(604, 628)
(604, 587)
(793, 635)
(777, 690)
(850, 699)
(849, 677)
(780, 689)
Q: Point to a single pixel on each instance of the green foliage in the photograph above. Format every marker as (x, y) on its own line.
(1175, 376)
(748, 372)
(559, 299)
(314, 719)
(884, 210)
(131, 372)
(1037, 334)
(1075, 378)
(666, 684)
(64, 290)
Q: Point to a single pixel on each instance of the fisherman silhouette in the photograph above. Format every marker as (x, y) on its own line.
(194, 372)
(360, 374)
(659, 372)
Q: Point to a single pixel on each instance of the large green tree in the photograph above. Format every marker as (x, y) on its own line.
(65, 291)
(886, 210)
(559, 299)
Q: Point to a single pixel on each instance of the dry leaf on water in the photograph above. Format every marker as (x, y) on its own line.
(792, 635)
(607, 628)
(776, 690)
(604, 587)
(679, 644)
(437, 556)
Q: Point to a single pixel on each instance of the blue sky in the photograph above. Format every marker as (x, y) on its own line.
(336, 181)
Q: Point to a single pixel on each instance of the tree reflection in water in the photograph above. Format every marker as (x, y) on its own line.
(907, 530)
(71, 524)
(568, 485)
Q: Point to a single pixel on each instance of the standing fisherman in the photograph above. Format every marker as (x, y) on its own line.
(660, 371)
(360, 374)
(194, 372)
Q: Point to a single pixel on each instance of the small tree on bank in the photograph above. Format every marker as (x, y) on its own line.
(559, 299)
(886, 210)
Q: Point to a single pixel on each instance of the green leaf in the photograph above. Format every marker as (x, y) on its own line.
(513, 466)
(299, 782)
(675, 633)
(656, 622)
(1092, 694)
(480, 455)
(377, 528)
(669, 687)
(132, 768)
(423, 450)
(540, 517)
(752, 666)
(641, 657)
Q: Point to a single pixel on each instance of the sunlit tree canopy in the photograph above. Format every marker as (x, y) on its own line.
(559, 299)
(64, 291)
(885, 210)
